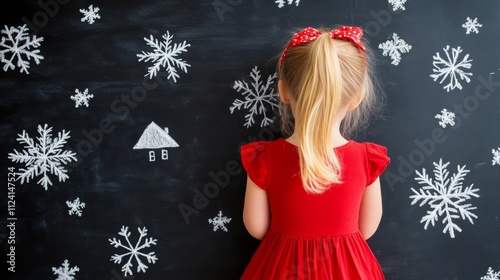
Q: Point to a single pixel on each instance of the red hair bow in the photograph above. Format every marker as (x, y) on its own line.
(347, 33)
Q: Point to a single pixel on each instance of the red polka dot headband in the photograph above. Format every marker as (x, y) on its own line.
(347, 33)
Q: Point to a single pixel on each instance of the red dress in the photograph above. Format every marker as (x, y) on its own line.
(313, 237)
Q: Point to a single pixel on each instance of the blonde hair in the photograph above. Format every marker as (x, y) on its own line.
(323, 76)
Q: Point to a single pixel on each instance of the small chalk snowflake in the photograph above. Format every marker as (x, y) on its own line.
(450, 68)
(75, 207)
(43, 158)
(165, 55)
(81, 98)
(64, 272)
(394, 48)
(90, 15)
(471, 26)
(496, 156)
(219, 222)
(398, 4)
(134, 252)
(446, 118)
(281, 3)
(20, 46)
(491, 275)
(445, 196)
(259, 98)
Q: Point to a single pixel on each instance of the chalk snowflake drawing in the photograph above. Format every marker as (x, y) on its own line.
(450, 68)
(496, 156)
(165, 55)
(21, 47)
(281, 3)
(394, 48)
(445, 196)
(398, 4)
(471, 26)
(90, 15)
(45, 157)
(446, 118)
(155, 137)
(64, 272)
(258, 98)
(219, 222)
(491, 275)
(134, 252)
(81, 98)
(75, 207)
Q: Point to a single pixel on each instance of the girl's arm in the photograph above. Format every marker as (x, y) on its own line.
(370, 212)
(256, 212)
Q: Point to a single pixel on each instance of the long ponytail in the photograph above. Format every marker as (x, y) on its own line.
(317, 106)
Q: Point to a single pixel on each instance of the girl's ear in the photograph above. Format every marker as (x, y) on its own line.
(283, 90)
(357, 100)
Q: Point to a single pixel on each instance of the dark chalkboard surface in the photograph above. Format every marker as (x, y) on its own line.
(111, 153)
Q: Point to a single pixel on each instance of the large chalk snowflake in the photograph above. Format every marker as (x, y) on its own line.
(64, 272)
(446, 117)
(445, 196)
(134, 252)
(75, 207)
(398, 4)
(258, 98)
(21, 47)
(219, 222)
(394, 48)
(496, 156)
(81, 98)
(90, 15)
(471, 26)
(491, 275)
(43, 158)
(281, 3)
(165, 55)
(450, 68)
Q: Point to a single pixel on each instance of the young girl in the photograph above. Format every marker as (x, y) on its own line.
(314, 198)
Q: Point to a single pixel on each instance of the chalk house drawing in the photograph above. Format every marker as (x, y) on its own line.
(43, 158)
(449, 68)
(394, 48)
(133, 252)
(496, 156)
(491, 275)
(445, 196)
(219, 222)
(446, 118)
(165, 55)
(154, 137)
(64, 272)
(81, 98)
(281, 3)
(18, 48)
(75, 207)
(398, 4)
(90, 14)
(259, 99)
(471, 26)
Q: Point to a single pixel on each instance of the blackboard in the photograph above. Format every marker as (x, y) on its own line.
(155, 158)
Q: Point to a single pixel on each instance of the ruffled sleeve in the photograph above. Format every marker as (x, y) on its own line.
(254, 160)
(377, 161)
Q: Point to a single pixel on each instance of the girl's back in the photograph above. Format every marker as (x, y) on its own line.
(307, 229)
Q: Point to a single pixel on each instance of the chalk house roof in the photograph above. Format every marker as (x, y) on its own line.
(155, 137)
